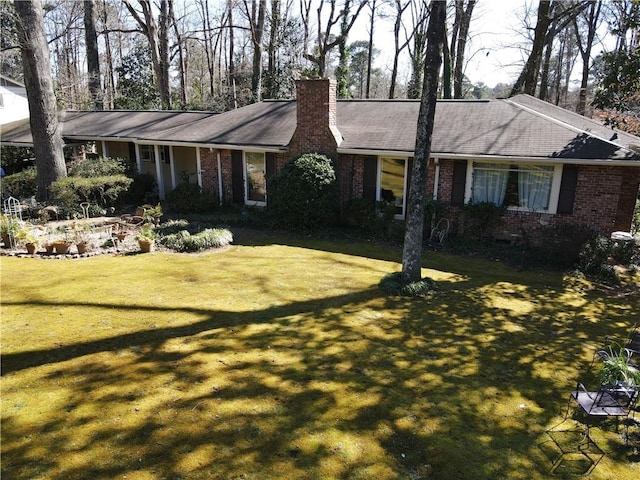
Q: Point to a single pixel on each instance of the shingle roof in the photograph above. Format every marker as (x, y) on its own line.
(518, 127)
(479, 127)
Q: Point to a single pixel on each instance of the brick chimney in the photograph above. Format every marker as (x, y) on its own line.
(316, 126)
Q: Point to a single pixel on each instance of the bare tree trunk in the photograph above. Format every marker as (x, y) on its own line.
(398, 47)
(45, 130)
(256, 27)
(272, 49)
(370, 55)
(165, 64)
(232, 68)
(158, 37)
(546, 65)
(182, 68)
(592, 18)
(110, 82)
(93, 61)
(528, 78)
(463, 35)
(412, 251)
(446, 69)
(325, 40)
(420, 13)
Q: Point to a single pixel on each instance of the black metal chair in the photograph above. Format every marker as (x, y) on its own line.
(618, 402)
(634, 342)
(631, 349)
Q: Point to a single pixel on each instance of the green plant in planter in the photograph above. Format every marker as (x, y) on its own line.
(617, 368)
(146, 237)
(10, 229)
(146, 233)
(152, 214)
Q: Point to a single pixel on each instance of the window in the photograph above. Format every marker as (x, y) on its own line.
(392, 188)
(520, 187)
(147, 153)
(255, 178)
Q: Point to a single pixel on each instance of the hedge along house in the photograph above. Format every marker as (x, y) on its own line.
(548, 166)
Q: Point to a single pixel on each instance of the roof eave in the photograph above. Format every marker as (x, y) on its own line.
(460, 156)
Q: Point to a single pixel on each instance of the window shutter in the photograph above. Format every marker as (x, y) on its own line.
(459, 181)
(132, 151)
(567, 188)
(370, 179)
(270, 160)
(237, 176)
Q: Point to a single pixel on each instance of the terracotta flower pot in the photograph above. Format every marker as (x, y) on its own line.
(31, 248)
(82, 247)
(146, 246)
(61, 247)
(49, 248)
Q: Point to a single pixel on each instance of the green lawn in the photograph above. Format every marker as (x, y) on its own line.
(276, 359)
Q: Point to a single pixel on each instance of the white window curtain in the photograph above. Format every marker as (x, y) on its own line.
(534, 187)
(489, 182)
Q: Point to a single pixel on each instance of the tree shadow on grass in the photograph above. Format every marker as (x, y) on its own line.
(350, 386)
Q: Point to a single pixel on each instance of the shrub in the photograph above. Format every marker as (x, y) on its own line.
(183, 241)
(560, 245)
(189, 198)
(304, 194)
(371, 217)
(20, 185)
(434, 210)
(480, 218)
(143, 189)
(69, 192)
(594, 258)
(100, 167)
(392, 284)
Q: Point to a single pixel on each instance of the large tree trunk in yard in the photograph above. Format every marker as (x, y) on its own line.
(412, 252)
(45, 130)
(93, 61)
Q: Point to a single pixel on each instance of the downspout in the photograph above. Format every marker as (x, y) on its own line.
(436, 178)
(221, 195)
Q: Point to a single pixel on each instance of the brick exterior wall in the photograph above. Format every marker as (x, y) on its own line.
(227, 187)
(604, 200)
(349, 174)
(209, 169)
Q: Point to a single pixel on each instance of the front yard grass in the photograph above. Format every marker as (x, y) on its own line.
(275, 359)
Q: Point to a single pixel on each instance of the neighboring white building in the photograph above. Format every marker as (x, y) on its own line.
(13, 101)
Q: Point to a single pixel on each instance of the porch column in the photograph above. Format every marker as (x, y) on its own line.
(172, 167)
(138, 158)
(199, 167)
(159, 177)
(105, 149)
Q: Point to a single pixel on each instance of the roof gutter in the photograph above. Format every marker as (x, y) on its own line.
(503, 158)
(218, 146)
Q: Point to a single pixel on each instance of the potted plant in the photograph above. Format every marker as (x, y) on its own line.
(152, 214)
(81, 238)
(146, 237)
(62, 243)
(29, 240)
(617, 369)
(10, 229)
